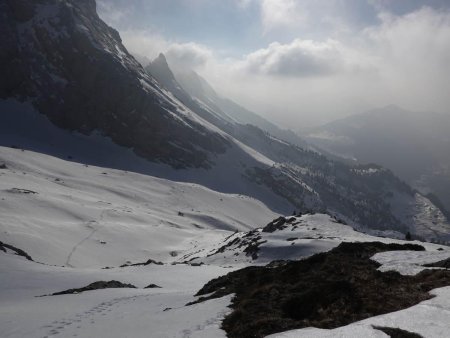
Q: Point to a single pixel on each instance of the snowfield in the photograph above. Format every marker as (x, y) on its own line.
(74, 220)
(158, 312)
(67, 213)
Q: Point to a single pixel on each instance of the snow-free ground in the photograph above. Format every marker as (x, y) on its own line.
(74, 220)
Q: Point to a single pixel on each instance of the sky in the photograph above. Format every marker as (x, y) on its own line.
(300, 63)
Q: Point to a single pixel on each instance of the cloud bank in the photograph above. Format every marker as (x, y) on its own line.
(398, 59)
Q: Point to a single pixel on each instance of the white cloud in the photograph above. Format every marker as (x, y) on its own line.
(144, 43)
(149, 44)
(282, 14)
(298, 58)
(402, 60)
(190, 55)
(412, 55)
(111, 13)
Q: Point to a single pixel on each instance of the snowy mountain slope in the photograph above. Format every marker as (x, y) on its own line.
(71, 214)
(88, 217)
(42, 136)
(107, 93)
(293, 238)
(159, 69)
(72, 67)
(204, 94)
(68, 213)
(314, 182)
(301, 184)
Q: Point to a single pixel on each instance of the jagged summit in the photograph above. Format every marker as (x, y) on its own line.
(161, 68)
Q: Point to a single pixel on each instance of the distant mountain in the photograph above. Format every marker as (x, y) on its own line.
(160, 70)
(202, 91)
(72, 89)
(415, 146)
(198, 94)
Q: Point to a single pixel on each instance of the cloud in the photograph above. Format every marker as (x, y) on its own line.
(399, 59)
(143, 42)
(281, 14)
(111, 13)
(149, 44)
(189, 55)
(297, 59)
(412, 54)
(404, 60)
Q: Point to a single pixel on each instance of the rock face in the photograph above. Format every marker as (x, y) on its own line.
(160, 70)
(73, 67)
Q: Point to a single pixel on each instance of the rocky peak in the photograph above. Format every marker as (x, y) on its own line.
(72, 67)
(160, 69)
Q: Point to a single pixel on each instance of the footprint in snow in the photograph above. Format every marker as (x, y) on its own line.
(58, 326)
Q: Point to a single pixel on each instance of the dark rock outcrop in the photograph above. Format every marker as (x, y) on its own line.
(148, 262)
(327, 290)
(394, 332)
(152, 286)
(113, 284)
(19, 252)
(440, 264)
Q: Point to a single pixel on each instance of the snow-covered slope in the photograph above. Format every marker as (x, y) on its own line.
(161, 312)
(287, 238)
(82, 218)
(71, 214)
(109, 313)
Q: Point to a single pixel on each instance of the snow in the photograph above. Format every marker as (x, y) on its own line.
(369, 171)
(409, 262)
(95, 149)
(424, 218)
(110, 312)
(305, 236)
(79, 206)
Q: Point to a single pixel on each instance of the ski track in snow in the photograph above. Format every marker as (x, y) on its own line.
(76, 246)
